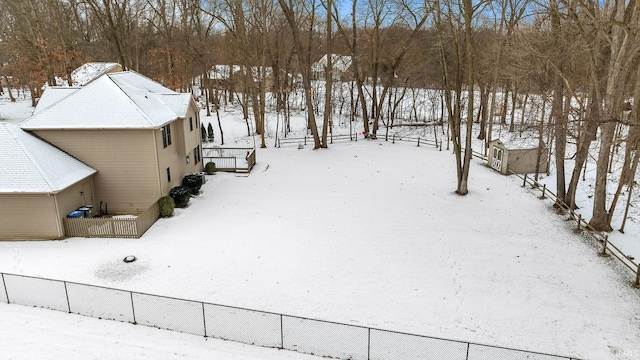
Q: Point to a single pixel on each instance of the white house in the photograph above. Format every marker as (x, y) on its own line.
(340, 64)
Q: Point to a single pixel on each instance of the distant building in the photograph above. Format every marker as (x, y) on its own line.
(228, 77)
(517, 157)
(89, 72)
(341, 65)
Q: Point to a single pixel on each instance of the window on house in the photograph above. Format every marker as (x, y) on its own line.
(169, 174)
(166, 135)
(196, 154)
(191, 123)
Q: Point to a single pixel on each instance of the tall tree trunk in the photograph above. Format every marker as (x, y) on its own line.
(328, 79)
(463, 187)
(305, 64)
(622, 51)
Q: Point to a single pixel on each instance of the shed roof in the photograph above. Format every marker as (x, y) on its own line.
(518, 143)
(30, 165)
(122, 100)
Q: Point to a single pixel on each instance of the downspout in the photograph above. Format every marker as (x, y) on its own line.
(155, 150)
(60, 220)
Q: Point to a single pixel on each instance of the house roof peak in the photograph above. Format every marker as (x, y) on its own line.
(119, 100)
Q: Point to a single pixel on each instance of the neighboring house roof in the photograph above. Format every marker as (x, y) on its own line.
(92, 70)
(30, 165)
(223, 72)
(123, 100)
(87, 73)
(340, 63)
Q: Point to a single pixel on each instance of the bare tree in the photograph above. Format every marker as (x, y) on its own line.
(296, 14)
(112, 17)
(624, 48)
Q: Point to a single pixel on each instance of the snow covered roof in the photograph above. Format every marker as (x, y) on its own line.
(223, 72)
(178, 103)
(122, 100)
(53, 95)
(340, 63)
(92, 70)
(30, 165)
(518, 143)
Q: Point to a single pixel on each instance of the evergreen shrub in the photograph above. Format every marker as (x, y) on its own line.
(193, 182)
(210, 168)
(180, 195)
(210, 128)
(167, 205)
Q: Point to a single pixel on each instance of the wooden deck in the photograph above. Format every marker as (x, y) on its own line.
(230, 159)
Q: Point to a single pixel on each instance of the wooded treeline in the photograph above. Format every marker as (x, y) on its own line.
(580, 57)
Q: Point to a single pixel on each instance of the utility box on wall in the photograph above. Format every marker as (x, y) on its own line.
(518, 157)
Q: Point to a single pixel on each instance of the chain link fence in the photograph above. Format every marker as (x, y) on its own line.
(310, 336)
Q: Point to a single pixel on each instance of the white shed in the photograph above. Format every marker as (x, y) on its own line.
(517, 156)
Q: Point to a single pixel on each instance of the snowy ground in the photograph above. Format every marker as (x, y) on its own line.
(367, 233)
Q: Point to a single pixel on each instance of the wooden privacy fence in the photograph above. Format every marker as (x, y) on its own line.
(106, 227)
(230, 159)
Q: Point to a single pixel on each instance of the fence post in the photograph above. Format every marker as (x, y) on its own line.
(281, 333)
(525, 181)
(544, 190)
(204, 320)
(579, 228)
(418, 141)
(440, 145)
(603, 253)
(133, 309)
(4, 284)
(636, 284)
(393, 139)
(468, 345)
(368, 343)
(66, 293)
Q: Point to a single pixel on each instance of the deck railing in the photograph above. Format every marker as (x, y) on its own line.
(230, 159)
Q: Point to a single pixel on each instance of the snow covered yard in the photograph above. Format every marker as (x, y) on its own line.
(370, 233)
(367, 233)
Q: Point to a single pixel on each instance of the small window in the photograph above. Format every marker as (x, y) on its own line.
(166, 135)
(191, 123)
(196, 154)
(168, 174)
